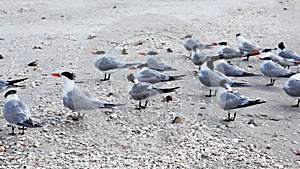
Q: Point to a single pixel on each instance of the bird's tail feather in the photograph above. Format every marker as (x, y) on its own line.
(178, 77)
(168, 90)
(252, 102)
(240, 84)
(12, 82)
(109, 105)
(28, 123)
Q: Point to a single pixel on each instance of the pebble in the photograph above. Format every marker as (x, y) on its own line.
(177, 119)
(2, 149)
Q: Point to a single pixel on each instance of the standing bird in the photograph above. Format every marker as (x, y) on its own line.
(212, 79)
(283, 52)
(246, 45)
(107, 63)
(292, 88)
(143, 90)
(76, 99)
(4, 84)
(229, 99)
(152, 76)
(273, 70)
(284, 62)
(16, 112)
(229, 53)
(154, 62)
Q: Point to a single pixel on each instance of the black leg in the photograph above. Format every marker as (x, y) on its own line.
(209, 95)
(78, 117)
(296, 105)
(140, 105)
(106, 77)
(271, 82)
(228, 119)
(22, 132)
(246, 59)
(12, 131)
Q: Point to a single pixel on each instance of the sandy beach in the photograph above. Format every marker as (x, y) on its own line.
(59, 35)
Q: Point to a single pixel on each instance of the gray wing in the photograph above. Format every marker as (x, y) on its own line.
(3, 84)
(156, 64)
(151, 76)
(76, 100)
(292, 86)
(229, 70)
(107, 63)
(143, 90)
(227, 100)
(273, 69)
(289, 55)
(249, 47)
(16, 111)
(209, 78)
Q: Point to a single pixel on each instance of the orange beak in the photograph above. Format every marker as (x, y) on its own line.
(132, 68)
(181, 38)
(214, 43)
(298, 62)
(55, 74)
(260, 58)
(142, 53)
(94, 53)
(255, 53)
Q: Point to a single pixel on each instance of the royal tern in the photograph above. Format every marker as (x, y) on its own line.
(154, 62)
(272, 69)
(107, 63)
(4, 84)
(292, 88)
(76, 99)
(246, 45)
(190, 44)
(143, 90)
(16, 112)
(152, 76)
(283, 52)
(231, 70)
(285, 62)
(229, 99)
(229, 53)
(198, 58)
(211, 78)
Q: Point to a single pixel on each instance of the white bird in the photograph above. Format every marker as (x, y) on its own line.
(283, 52)
(198, 58)
(229, 99)
(143, 90)
(76, 99)
(154, 62)
(107, 63)
(152, 76)
(292, 88)
(211, 78)
(5, 84)
(230, 70)
(190, 44)
(273, 70)
(285, 62)
(229, 53)
(16, 112)
(248, 46)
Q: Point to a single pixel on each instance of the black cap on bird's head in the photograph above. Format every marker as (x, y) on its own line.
(281, 45)
(10, 92)
(67, 74)
(237, 34)
(222, 43)
(130, 77)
